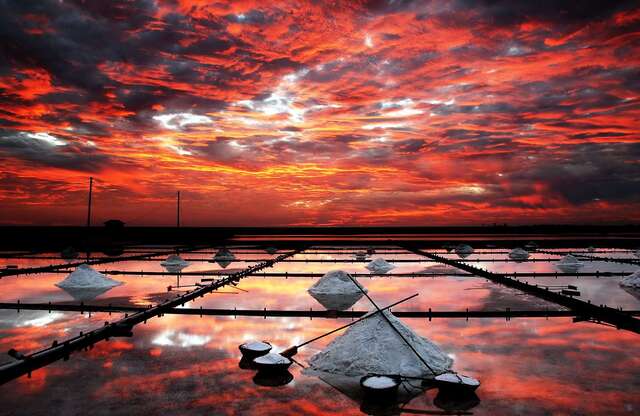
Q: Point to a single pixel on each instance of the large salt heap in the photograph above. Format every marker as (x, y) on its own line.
(224, 257)
(379, 265)
(336, 291)
(464, 250)
(372, 346)
(569, 264)
(518, 254)
(631, 281)
(86, 283)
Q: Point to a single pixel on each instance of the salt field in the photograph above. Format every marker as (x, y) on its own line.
(531, 354)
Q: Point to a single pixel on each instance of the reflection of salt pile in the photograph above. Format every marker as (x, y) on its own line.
(569, 264)
(372, 346)
(632, 281)
(518, 254)
(379, 265)
(464, 250)
(174, 263)
(336, 291)
(85, 283)
(224, 257)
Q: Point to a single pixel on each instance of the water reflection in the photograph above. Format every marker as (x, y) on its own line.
(278, 379)
(189, 365)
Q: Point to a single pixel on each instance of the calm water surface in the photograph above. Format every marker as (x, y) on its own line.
(189, 364)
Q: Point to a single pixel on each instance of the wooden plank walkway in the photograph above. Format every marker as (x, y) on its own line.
(122, 327)
(506, 313)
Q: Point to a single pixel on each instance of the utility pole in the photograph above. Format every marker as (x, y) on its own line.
(178, 213)
(89, 209)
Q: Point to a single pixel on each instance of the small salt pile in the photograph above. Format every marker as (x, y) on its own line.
(360, 256)
(84, 277)
(631, 281)
(174, 263)
(637, 253)
(372, 346)
(518, 254)
(69, 253)
(439, 268)
(379, 265)
(271, 250)
(336, 291)
(569, 264)
(224, 257)
(464, 250)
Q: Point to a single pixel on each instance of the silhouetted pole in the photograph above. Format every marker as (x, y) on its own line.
(89, 210)
(178, 213)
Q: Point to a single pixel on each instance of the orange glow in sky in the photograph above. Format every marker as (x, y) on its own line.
(312, 113)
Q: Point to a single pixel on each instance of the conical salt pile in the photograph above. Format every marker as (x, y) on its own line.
(632, 281)
(174, 260)
(224, 257)
(174, 263)
(518, 254)
(372, 346)
(336, 291)
(271, 250)
(464, 250)
(336, 282)
(379, 265)
(569, 264)
(84, 277)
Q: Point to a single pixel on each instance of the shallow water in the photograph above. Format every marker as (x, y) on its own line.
(189, 364)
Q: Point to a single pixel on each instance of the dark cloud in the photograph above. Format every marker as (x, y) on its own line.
(506, 12)
(71, 156)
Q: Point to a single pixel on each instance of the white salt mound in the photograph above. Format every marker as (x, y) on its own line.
(379, 382)
(464, 250)
(632, 281)
(272, 358)
(174, 260)
(84, 277)
(569, 264)
(372, 346)
(636, 253)
(380, 265)
(569, 259)
(335, 282)
(518, 254)
(224, 254)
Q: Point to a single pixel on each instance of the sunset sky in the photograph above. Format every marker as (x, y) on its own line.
(320, 113)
